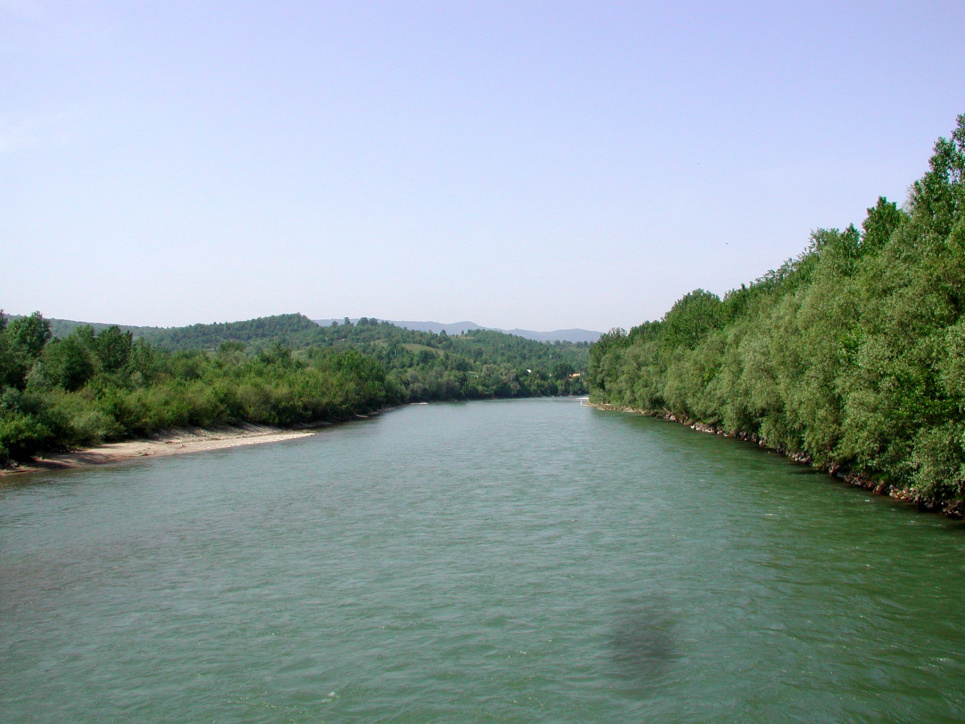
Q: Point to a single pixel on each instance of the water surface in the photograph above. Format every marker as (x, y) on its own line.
(508, 561)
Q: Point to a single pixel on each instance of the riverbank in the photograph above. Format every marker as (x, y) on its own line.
(952, 509)
(169, 442)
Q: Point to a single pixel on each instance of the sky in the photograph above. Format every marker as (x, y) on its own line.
(540, 165)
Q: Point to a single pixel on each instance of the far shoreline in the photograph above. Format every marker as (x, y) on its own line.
(176, 441)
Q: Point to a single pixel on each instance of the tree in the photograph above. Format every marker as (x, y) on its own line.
(68, 363)
(881, 222)
(113, 348)
(939, 195)
(691, 318)
(29, 334)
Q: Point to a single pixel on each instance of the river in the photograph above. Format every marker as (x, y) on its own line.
(506, 561)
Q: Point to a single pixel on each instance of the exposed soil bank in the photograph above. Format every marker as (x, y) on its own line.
(951, 509)
(168, 442)
(173, 442)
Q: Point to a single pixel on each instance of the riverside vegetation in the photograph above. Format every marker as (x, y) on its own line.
(851, 356)
(89, 384)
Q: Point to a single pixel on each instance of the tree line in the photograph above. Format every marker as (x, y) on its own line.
(851, 355)
(91, 385)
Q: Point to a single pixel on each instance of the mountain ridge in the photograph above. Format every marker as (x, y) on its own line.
(63, 327)
(561, 335)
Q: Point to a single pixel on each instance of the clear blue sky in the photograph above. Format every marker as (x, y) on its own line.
(518, 164)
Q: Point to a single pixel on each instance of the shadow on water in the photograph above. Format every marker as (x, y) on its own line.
(642, 644)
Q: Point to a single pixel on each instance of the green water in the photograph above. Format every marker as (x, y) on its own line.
(515, 561)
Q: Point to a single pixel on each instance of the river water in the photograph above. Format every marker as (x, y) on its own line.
(509, 561)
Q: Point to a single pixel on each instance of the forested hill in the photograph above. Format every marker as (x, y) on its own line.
(851, 355)
(290, 330)
(429, 366)
(96, 384)
(455, 328)
(429, 354)
(298, 331)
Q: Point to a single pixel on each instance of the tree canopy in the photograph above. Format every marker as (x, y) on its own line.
(851, 355)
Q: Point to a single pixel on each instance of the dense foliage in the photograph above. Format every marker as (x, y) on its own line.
(851, 355)
(89, 386)
(426, 365)
(475, 365)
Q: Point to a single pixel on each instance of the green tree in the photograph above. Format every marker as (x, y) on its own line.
(29, 334)
(113, 348)
(940, 194)
(68, 363)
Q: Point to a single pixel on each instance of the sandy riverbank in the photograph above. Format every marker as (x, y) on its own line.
(172, 442)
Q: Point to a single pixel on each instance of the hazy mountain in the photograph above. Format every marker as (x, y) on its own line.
(169, 336)
(562, 335)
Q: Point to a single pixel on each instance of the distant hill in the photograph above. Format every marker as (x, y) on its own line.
(297, 330)
(559, 335)
(470, 363)
(292, 330)
(62, 327)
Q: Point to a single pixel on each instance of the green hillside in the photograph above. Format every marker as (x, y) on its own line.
(95, 383)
